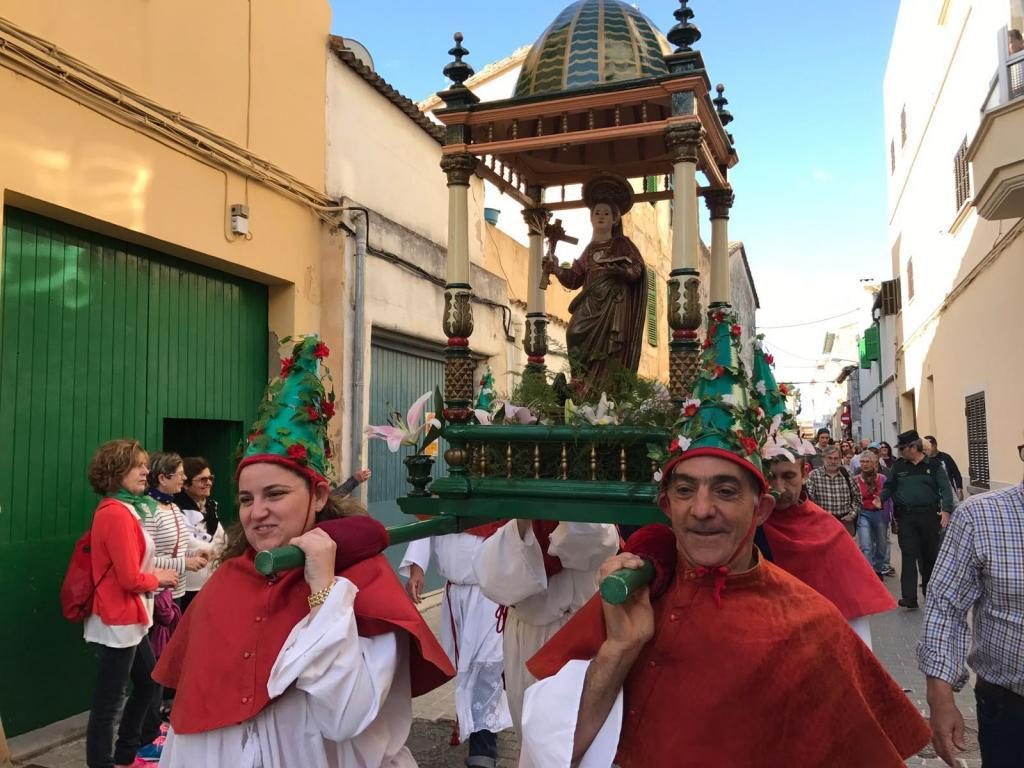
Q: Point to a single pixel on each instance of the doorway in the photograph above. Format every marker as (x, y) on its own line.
(215, 440)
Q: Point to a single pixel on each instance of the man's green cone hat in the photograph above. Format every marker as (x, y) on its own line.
(719, 420)
(291, 423)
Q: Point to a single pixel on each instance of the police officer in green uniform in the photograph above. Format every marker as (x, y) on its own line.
(923, 500)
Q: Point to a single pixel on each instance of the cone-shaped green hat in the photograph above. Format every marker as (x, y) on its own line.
(291, 424)
(719, 419)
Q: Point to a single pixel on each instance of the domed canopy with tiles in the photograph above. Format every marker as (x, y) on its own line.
(593, 43)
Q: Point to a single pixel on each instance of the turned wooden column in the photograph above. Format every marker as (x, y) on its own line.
(536, 340)
(719, 202)
(459, 374)
(684, 310)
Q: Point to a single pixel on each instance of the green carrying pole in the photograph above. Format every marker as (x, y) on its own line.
(617, 587)
(271, 561)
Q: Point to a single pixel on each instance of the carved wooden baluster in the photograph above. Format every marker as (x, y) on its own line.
(483, 459)
(643, 112)
(590, 119)
(536, 461)
(593, 461)
(565, 462)
(622, 463)
(618, 115)
(490, 132)
(508, 461)
(565, 122)
(515, 129)
(540, 126)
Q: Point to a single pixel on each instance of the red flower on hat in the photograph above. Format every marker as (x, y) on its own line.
(254, 434)
(690, 410)
(749, 445)
(321, 350)
(328, 453)
(327, 408)
(736, 329)
(707, 343)
(297, 453)
(312, 412)
(770, 359)
(718, 372)
(674, 445)
(286, 366)
(718, 317)
(783, 389)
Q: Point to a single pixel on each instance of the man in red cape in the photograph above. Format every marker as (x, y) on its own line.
(727, 660)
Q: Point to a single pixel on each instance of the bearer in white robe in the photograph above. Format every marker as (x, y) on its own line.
(513, 571)
(470, 636)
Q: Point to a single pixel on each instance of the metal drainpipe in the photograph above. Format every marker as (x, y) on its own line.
(362, 227)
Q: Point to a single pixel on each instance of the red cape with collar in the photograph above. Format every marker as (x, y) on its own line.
(809, 543)
(773, 678)
(220, 657)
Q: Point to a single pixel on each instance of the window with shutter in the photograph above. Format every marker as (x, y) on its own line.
(652, 307)
(910, 279)
(872, 344)
(961, 176)
(891, 299)
(977, 439)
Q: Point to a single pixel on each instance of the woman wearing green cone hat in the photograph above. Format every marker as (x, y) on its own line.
(314, 667)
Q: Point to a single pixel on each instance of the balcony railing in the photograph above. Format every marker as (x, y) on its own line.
(1015, 77)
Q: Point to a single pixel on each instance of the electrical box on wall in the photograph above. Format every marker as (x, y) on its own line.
(240, 219)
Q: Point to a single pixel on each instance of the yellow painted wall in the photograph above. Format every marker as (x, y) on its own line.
(68, 161)
(969, 348)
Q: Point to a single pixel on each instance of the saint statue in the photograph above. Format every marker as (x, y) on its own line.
(606, 328)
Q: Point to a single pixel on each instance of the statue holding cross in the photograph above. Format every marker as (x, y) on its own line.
(605, 333)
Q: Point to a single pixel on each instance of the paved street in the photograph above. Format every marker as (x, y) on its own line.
(894, 636)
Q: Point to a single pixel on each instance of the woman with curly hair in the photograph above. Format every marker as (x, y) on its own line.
(125, 578)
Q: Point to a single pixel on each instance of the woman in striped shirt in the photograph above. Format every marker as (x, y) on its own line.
(168, 527)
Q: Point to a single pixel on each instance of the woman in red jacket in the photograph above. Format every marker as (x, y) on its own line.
(122, 569)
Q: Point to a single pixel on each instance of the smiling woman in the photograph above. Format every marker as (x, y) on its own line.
(290, 671)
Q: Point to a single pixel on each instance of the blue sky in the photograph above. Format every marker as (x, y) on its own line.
(804, 80)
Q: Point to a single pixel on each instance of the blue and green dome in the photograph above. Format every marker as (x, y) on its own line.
(592, 43)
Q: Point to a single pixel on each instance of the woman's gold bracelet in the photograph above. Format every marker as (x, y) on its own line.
(319, 598)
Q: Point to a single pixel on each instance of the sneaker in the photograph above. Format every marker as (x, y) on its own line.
(151, 752)
(910, 606)
(889, 571)
(137, 763)
(164, 728)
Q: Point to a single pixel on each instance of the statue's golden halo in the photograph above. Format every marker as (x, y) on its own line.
(608, 188)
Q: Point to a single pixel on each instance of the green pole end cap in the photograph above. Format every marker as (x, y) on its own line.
(617, 587)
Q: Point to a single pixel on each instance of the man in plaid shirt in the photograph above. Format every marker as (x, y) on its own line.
(832, 489)
(980, 567)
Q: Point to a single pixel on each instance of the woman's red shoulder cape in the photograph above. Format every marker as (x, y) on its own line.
(221, 655)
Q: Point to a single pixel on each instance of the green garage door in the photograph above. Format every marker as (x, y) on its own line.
(399, 373)
(98, 339)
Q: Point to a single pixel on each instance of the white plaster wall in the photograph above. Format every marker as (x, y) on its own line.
(379, 158)
(940, 73)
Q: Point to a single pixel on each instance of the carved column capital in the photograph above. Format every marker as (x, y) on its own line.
(683, 141)
(536, 219)
(719, 201)
(458, 168)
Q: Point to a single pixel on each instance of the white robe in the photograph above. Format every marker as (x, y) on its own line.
(468, 632)
(338, 701)
(549, 723)
(510, 569)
